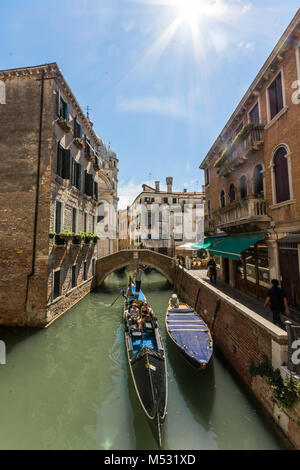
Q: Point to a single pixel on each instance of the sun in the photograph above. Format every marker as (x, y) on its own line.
(189, 10)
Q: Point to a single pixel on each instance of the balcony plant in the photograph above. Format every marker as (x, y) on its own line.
(52, 234)
(78, 142)
(64, 124)
(66, 234)
(245, 131)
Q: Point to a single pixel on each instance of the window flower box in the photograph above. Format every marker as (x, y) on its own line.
(78, 142)
(63, 123)
(52, 235)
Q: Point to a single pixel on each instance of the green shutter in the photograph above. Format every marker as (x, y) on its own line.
(66, 164)
(59, 159)
(58, 103)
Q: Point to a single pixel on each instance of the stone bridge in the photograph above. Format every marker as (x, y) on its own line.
(108, 264)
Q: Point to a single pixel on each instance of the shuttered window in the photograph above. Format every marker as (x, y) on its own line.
(77, 129)
(96, 191)
(74, 277)
(232, 193)
(281, 175)
(76, 174)
(74, 220)
(63, 162)
(56, 284)
(222, 199)
(58, 216)
(275, 96)
(85, 222)
(258, 180)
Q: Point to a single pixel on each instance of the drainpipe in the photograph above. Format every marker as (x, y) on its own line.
(37, 190)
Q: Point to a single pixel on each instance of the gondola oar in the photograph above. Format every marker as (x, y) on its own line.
(116, 299)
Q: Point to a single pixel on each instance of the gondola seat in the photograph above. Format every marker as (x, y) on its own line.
(148, 326)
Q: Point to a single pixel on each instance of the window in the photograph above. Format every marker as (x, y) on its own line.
(93, 223)
(93, 266)
(95, 191)
(63, 162)
(85, 222)
(258, 180)
(88, 184)
(74, 220)
(56, 284)
(254, 114)
(222, 199)
(275, 96)
(281, 175)
(231, 193)
(243, 187)
(207, 176)
(74, 277)
(100, 214)
(174, 200)
(76, 174)
(63, 109)
(58, 217)
(77, 129)
(165, 200)
(85, 271)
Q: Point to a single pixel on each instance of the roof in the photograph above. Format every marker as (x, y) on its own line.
(280, 47)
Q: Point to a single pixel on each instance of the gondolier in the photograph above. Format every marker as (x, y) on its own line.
(138, 278)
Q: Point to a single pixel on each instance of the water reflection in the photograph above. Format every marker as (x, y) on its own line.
(68, 387)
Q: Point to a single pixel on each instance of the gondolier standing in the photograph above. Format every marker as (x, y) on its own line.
(138, 278)
(277, 300)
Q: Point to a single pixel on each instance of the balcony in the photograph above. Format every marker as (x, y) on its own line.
(248, 141)
(250, 214)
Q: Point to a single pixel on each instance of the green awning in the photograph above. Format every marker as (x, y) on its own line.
(234, 245)
(208, 241)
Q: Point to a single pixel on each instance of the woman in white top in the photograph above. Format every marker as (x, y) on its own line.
(174, 302)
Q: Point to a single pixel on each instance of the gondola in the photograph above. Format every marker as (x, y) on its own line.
(147, 364)
(190, 334)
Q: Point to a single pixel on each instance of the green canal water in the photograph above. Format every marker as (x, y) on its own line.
(68, 387)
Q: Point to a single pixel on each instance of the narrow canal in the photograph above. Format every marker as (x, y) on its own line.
(68, 387)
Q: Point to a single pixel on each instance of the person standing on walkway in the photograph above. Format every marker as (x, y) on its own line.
(138, 279)
(277, 300)
(212, 267)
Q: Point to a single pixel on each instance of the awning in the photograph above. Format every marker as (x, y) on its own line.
(234, 245)
(208, 241)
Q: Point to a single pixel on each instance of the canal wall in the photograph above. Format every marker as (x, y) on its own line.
(243, 337)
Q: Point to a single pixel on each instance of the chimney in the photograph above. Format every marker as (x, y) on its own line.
(185, 190)
(169, 181)
(157, 186)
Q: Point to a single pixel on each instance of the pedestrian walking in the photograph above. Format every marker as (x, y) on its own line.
(212, 267)
(277, 300)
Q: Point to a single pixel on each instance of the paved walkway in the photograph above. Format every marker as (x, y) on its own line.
(253, 304)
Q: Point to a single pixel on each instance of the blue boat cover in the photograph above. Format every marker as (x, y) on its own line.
(140, 296)
(190, 333)
(148, 339)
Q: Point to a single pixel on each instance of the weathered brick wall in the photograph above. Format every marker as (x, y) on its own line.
(19, 143)
(242, 336)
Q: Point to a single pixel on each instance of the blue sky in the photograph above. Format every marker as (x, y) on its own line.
(161, 77)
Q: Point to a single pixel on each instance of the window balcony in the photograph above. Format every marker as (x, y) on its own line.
(248, 141)
(249, 214)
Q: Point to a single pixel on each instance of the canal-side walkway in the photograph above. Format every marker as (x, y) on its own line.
(253, 304)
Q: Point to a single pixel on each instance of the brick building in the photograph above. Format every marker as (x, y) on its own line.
(53, 178)
(161, 220)
(252, 178)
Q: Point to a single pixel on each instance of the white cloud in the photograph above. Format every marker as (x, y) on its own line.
(153, 104)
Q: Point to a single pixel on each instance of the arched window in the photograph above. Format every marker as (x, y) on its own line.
(281, 175)
(231, 193)
(222, 198)
(258, 180)
(243, 187)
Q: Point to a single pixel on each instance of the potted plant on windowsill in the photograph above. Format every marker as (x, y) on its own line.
(52, 235)
(78, 142)
(66, 234)
(77, 238)
(64, 124)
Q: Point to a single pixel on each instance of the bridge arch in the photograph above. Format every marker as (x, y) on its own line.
(108, 264)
